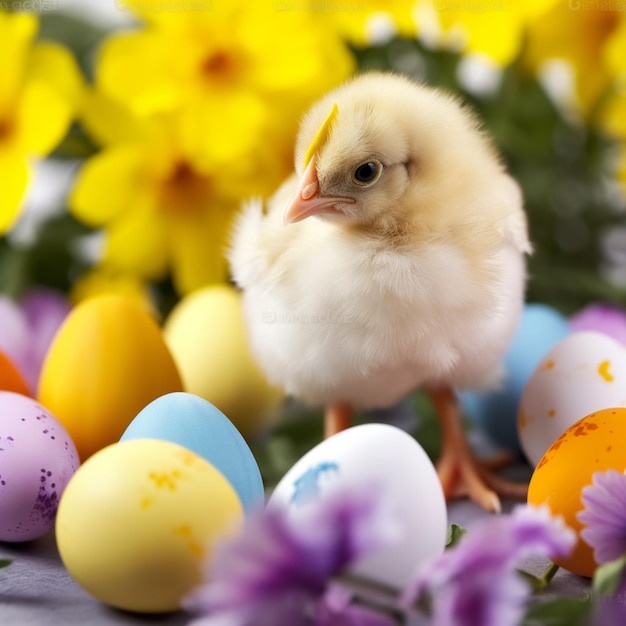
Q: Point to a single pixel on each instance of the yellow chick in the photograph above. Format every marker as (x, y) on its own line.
(393, 259)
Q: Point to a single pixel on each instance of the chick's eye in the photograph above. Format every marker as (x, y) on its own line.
(367, 173)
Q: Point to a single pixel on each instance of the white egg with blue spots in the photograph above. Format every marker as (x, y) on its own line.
(383, 458)
(192, 422)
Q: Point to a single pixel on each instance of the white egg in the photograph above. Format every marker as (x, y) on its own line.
(583, 373)
(386, 458)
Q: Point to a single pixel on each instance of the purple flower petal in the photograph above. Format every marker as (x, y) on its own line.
(336, 610)
(610, 610)
(539, 533)
(44, 310)
(604, 515)
(277, 571)
(490, 598)
(28, 329)
(605, 318)
(476, 582)
(14, 336)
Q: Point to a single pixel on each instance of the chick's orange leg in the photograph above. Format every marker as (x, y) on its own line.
(338, 417)
(459, 471)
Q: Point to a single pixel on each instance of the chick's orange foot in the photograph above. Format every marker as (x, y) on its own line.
(460, 472)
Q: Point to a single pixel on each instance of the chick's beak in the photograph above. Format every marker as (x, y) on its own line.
(308, 201)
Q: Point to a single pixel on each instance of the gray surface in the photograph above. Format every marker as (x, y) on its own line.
(37, 591)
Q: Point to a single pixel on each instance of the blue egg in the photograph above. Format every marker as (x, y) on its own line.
(192, 422)
(495, 412)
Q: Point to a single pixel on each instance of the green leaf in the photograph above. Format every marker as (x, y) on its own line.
(540, 583)
(559, 612)
(608, 577)
(455, 535)
(5, 563)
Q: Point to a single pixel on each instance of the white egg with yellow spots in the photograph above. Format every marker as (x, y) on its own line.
(137, 522)
(583, 373)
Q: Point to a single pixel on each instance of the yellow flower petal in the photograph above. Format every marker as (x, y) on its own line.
(14, 176)
(140, 70)
(579, 37)
(495, 29)
(197, 246)
(17, 31)
(293, 51)
(168, 10)
(109, 122)
(43, 118)
(221, 129)
(354, 19)
(55, 65)
(108, 184)
(615, 50)
(136, 242)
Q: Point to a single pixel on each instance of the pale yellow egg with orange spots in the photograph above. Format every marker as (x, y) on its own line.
(595, 443)
(583, 373)
(138, 520)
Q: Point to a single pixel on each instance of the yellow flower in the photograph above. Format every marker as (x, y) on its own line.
(494, 28)
(579, 32)
(196, 112)
(234, 56)
(40, 88)
(361, 21)
(162, 209)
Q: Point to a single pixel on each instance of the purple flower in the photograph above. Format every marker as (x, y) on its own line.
(604, 515)
(278, 572)
(605, 318)
(28, 329)
(610, 609)
(476, 583)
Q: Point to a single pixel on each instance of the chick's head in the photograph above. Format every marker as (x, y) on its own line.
(391, 144)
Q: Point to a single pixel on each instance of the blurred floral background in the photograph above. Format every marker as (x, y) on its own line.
(132, 130)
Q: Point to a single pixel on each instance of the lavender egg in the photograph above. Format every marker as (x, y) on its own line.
(37, 460)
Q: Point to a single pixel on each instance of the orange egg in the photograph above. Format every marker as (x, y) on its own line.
(595, 443)
(106, 363)
(10, 377)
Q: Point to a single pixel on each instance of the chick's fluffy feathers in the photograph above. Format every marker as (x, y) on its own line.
(420, 282)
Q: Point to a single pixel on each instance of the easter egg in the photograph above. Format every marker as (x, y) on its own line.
(495, 411)
(194, 423)
(595, 443)
(10, 377)
(138, 521)
(584, 372)
(37, 460)
(106, 362)
(207, 335)
(382, 457)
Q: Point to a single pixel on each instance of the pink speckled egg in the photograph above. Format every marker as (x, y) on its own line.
(37, 460)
